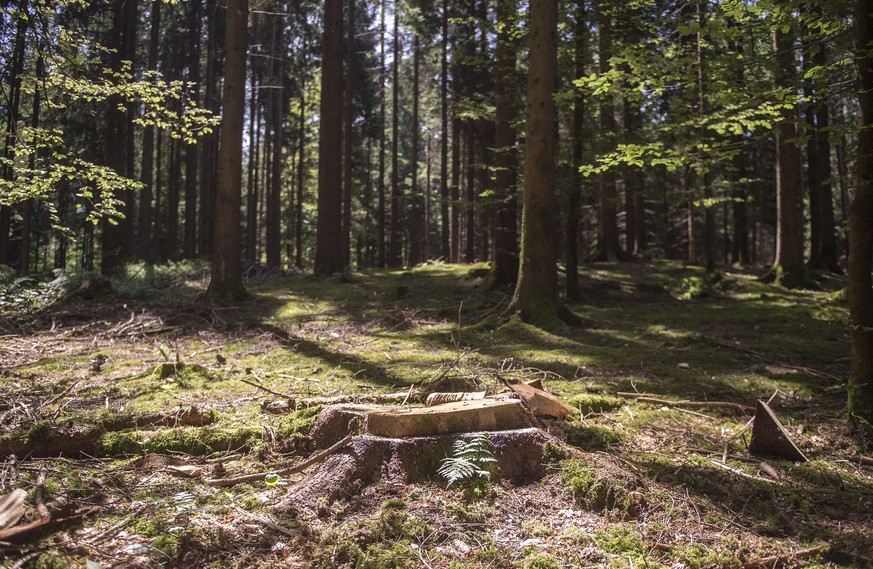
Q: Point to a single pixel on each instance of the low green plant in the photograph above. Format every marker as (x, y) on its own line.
(470, 463)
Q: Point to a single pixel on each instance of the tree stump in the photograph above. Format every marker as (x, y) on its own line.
(404, 444)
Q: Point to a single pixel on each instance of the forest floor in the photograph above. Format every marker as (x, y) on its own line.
(123, 403)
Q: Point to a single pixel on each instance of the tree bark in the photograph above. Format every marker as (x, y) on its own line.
(274, 192)
(394, 259)
(380, 215)
(226, 284)
(415, 219)
(788, 268)
(445, 227)
(348, 135)
(504, 268)
(860, 286)
(146, 213)
(328, 246)
(608, 245)
(536, 293)
(580, 40)
(192, 150)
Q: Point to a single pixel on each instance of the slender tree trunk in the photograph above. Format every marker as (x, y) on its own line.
(416, 221)
(191, 150)
(254, 163)
(580, 39)
(456, 189)
(301, 169)
(504, 269)
(226, 284)
(427, 200)
(445, 228)
(536, 294)
(709, 229)
(380, 215)
(117, 238)
(470, 205)
(788, 267)
(349, 116)
(146, 213)
(609, 248)
(208, 163)
(823, 239)
(27, 214)
(329, 246)
(860, 388)
(12, 115)
(274, 194)
(394, 259)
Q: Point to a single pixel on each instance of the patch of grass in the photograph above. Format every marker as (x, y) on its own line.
(588, 403)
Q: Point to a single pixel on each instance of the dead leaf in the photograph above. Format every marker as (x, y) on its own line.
(188, 470)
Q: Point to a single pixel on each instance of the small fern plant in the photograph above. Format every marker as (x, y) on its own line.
(470, 463)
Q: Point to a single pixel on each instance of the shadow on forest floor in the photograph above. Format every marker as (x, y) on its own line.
(90, 361)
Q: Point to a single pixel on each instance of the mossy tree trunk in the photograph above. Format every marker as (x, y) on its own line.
(536, 293)
(861, 233)
(226, 284)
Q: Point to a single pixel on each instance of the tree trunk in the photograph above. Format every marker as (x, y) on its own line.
(349, 120)
(226, 284)
(788, 268)
(191, 150)
(117, 239)
(301, 168)
(254, 164)
(146, 213)
(394, 259)
(328, 246)
(445, 227)
(608, 245)
(706, 178)
(580, 39)
(208, 163)
(416, 214)
(536, 293)
(456, 188)
(274, 193)
(860, 286)
(504, 268)
(823, 239)
(380, 215)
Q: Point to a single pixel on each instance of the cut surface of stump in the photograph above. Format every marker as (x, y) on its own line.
(455, 417)
(392, 421)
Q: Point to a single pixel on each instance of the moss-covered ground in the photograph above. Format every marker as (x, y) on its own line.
(651, 484)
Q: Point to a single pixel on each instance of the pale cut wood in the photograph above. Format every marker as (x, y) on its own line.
(456, 417)
(443, 398)
(540, 402)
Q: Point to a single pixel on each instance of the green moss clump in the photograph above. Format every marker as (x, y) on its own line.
(541, 561)
(184, 374)
(589, 403)
(592, 437)
(298, 423)
(195, 441)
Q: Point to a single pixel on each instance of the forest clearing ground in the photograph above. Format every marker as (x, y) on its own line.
(654, 485)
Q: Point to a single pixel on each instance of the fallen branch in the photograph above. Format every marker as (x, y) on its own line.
(861, 459)
(774, 560)
(267, 522)
(66, 517)
(647, 398)
(285, 471)
(291, 405)
(267, 389)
